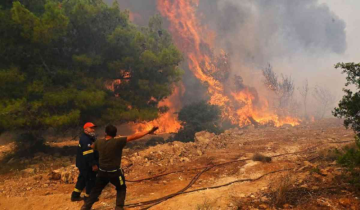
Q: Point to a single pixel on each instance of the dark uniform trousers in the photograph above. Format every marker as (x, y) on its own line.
(86, 180)
(115, 177)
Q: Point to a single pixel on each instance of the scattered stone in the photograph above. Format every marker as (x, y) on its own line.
(184, 159)
(286, 205)
(125, 163)
(29, 171)
(67, 175)
(263, 206)
(346, 202)
(315, 188)
(204, 137)
(38, 177)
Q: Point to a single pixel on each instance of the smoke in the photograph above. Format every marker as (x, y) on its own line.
(259, 30)
(303, 39)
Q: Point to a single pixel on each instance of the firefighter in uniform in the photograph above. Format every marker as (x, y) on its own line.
(110, 152)
(87, 161)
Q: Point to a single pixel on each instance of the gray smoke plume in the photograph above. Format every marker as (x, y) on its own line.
(301, 38)
(259, 30)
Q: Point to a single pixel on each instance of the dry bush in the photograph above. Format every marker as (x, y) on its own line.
(206, 205)
(261, 158)
(328, 154)
(281, 189)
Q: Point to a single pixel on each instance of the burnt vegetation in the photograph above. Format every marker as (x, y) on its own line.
(282, 87)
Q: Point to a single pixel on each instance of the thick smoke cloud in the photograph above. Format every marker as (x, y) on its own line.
(303, 39)
(259, 30)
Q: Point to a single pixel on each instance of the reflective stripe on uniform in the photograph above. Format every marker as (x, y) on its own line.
(121, 181)
(88, 152)
(86, 195)
(79, 145)
(108, 171)
(76, 190)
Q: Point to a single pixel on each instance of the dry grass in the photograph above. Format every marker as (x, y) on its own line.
(281, 188)
(206, 205)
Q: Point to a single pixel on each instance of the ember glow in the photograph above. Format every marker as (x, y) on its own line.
(241, 107)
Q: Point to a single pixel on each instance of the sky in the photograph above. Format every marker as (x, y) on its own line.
(348, 10)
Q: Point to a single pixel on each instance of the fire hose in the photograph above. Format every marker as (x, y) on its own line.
(151, 203)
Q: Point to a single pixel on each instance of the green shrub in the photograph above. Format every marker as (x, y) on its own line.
(198, 117)
(350, 159)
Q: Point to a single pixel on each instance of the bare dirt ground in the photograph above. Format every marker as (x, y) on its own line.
(301, 175)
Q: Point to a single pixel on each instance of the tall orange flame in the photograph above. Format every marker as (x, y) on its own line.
(167, 122)
(192, 38)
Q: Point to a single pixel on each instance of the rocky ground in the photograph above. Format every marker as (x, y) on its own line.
(302, 173)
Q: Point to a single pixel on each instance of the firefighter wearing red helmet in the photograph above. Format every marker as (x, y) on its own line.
(87, 161)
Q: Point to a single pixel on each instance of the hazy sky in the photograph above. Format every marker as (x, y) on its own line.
(348, 10)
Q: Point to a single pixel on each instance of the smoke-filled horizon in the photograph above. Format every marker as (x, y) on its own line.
(302, 39)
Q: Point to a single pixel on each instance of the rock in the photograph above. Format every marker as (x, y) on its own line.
(346, 202)
(204, 137)
(125, 163)
(38, 177)
(264, 199)
(263, 206)
(315, 188)
(184, 159)
(286, 206)
(54, 175)
(29, 171)
(67, 175)
(199, 152)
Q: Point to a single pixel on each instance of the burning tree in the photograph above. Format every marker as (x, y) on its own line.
(304, 92)
(283, 88)
(68, 62)
(241, 105)
(325, 99)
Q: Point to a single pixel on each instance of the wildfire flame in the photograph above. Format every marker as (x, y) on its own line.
(192, 38)
(167, 122)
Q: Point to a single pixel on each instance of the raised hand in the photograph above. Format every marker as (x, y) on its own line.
(153, 130)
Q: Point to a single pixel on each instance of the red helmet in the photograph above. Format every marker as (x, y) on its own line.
(89, 125)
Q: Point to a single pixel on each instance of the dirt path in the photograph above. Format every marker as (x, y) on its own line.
(28, 192)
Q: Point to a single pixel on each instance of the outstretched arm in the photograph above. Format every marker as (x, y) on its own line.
(141, 134)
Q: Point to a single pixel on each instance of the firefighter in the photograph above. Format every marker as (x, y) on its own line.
(87, 161)
(110, 152)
